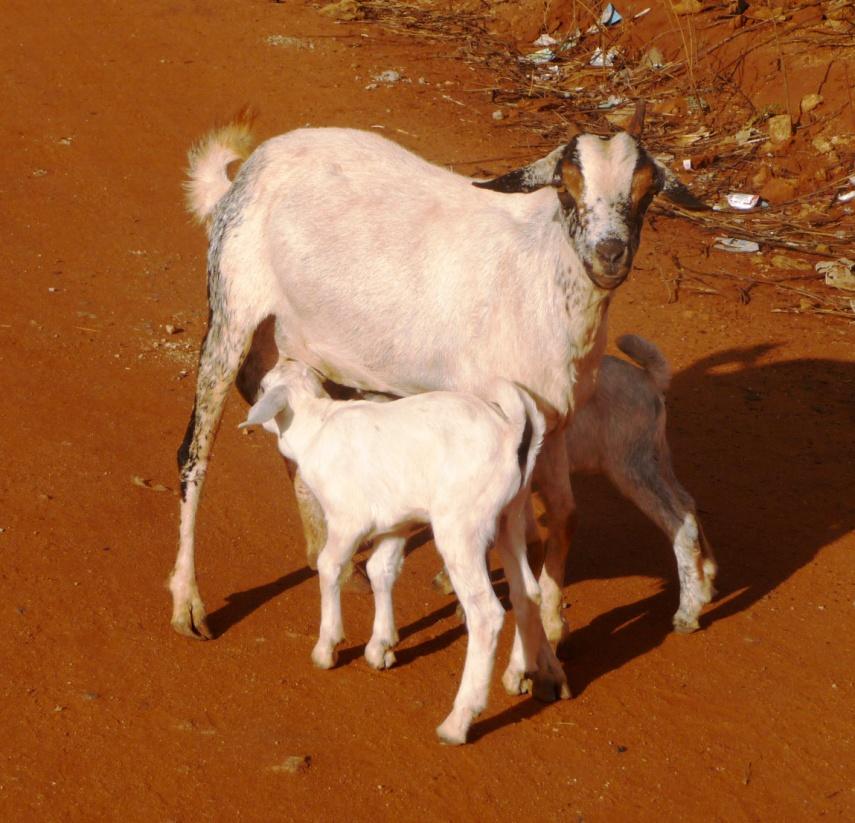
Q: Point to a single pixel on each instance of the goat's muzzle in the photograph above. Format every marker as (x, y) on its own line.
(611, 263)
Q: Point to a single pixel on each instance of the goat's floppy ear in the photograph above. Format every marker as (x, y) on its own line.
(676, 192)
(273, 401)
(534, 176)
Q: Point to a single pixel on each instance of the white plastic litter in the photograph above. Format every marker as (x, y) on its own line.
(610, 17)
(846, 196)
(611, 102)
(734, 244)
(738, 200)
(602, 59)
(545, 40)
(687, 164)
(539, 57)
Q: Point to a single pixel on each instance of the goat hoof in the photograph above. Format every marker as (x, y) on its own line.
(549, 688)
(516, 682)
(380, 656)
(683, 625)
(449, 735)
(192, 622)
(324, 657)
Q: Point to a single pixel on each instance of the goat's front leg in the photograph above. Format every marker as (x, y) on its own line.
(533, 665)
(552, 478)
(384, 566)
(222, 351)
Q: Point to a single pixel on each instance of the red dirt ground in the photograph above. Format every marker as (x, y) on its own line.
(107, 714)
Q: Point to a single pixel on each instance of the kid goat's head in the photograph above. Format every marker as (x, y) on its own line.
(604, 186)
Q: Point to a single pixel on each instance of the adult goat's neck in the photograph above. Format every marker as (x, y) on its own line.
(586, 309)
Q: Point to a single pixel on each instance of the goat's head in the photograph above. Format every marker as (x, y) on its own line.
(287, 379)
(604, 187)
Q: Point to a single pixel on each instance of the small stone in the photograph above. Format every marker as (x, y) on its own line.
(343, 10)
(389, 76)
(761, 177)
(687, 7)
(777, 191)
(293, 765)
(653, 59)
(170, 329)
(780, 128)
(810, 102)
(782, 261)
(498, 114)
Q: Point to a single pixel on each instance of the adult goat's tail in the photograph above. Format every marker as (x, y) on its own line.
(209, 160)
(648, 356)
(519, 408)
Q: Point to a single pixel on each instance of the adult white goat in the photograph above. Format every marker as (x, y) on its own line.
(452, 459)
(387, 273)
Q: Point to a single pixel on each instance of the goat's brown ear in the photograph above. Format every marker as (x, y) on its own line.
(676, 192)
(636, 126)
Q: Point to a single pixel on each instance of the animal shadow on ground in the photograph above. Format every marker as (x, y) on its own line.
(241, 604)
(766, 450)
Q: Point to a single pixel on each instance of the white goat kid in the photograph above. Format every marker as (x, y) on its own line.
(620, 432)
(387, 273)
(450, 459)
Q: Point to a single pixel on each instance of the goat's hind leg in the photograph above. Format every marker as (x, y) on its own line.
(466, 562)
(337, 550)
(654, 488)
(383, 569)
(223, 349)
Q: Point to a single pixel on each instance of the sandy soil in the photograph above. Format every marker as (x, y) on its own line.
(107, 714)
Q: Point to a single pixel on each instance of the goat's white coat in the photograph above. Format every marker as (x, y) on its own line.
(388, 273)
(447, 458)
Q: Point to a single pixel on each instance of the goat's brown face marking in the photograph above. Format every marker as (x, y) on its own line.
(572, 181)
(644, 185)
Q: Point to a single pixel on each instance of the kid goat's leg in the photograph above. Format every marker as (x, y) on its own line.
(465, 559)
(654, 488)
(383, 569)
(338, 549)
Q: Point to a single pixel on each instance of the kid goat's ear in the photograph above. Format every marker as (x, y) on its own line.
(273, 401)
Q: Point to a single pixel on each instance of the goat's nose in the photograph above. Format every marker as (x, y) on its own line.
(611, 250)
